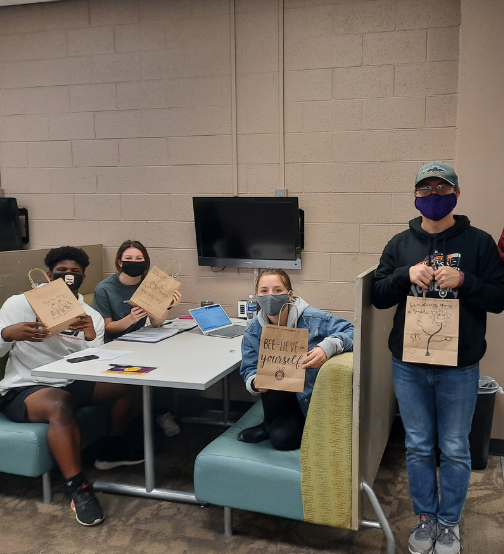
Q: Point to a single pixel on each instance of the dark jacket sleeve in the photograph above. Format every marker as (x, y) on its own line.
(391, 283)
(485, 291)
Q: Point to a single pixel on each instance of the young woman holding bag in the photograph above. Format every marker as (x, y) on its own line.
(112, 295)
(328, 335)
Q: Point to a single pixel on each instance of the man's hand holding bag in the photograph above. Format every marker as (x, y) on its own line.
(54, 304)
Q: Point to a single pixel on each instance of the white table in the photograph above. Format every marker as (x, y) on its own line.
(188, 360)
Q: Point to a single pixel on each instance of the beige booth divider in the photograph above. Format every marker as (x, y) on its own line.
(374, 404)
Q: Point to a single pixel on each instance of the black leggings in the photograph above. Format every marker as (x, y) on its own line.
(284, 419)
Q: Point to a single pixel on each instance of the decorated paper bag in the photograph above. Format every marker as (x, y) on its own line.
(431, 331)
(54, 303)
(155, 293)
(281, 352)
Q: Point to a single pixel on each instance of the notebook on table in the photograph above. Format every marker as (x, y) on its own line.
(148, 334)
(214, 321)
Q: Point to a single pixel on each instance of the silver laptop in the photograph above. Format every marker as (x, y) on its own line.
(214, 321)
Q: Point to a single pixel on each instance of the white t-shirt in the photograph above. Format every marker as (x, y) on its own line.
(25, 356)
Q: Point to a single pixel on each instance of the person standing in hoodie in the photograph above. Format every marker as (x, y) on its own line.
(328, 335)
(443, 255)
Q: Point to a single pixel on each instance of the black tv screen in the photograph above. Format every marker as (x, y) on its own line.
(248, 231)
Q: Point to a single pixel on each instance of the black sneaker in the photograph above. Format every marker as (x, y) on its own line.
(87, 509)
(119, 458)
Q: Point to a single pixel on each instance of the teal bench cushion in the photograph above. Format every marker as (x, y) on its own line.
(23, 446)
(252, 477)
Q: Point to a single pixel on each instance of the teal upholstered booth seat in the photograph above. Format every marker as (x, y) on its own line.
(347, 426)
(23, 446)
(251, 477)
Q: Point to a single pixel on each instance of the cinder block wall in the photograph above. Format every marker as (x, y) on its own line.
(114, 113)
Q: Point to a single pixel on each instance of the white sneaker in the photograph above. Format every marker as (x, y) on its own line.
(168, 424)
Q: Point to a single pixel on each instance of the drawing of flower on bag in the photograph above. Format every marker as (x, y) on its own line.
(440, 318)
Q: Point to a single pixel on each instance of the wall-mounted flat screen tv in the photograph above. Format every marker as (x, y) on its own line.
(249, 231)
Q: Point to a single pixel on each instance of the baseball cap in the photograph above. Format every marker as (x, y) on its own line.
(437, 169)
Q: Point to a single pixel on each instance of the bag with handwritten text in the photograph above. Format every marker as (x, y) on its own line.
(281, 351)
(431, 331)
(53, 303)
(155, 292)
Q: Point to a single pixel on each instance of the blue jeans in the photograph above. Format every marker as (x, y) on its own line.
(437, 405)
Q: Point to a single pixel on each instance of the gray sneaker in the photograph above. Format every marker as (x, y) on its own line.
(422, 537)
(447, 539)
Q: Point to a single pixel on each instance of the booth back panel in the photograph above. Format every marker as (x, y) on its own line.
(15, 265)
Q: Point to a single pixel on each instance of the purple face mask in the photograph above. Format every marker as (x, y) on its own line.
(435, 206)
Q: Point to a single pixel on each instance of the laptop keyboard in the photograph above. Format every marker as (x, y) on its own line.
(233, 331)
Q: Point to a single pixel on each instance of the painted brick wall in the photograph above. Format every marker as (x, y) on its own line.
(114, 113)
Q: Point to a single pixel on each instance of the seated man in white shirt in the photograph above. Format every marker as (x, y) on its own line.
(54, 401)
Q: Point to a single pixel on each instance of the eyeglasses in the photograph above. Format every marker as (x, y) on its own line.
(441, 189)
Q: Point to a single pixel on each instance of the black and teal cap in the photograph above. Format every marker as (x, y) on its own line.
(437, 169)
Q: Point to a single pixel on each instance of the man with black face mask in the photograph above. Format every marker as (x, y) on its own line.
(443, 256)
(47, 400)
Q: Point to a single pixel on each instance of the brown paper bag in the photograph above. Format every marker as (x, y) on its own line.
(281, 352)
(431, 330)
(155, 293)
(54, 304)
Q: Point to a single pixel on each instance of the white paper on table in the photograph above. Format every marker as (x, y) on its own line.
(100, 352)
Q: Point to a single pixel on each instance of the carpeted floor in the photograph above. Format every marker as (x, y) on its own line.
(132, 526)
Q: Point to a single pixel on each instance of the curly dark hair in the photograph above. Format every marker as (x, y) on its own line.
(66, 253)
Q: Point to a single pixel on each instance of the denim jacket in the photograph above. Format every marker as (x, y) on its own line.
(333, 334)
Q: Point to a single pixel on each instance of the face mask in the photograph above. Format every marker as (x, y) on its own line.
(73, 280)
(134, 269)
(435, 206)
(272, 303)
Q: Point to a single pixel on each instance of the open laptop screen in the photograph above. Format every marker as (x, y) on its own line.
(210, 317)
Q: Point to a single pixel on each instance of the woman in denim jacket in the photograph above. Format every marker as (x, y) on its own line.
(328, 335)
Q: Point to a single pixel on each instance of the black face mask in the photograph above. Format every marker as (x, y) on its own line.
(73, 280)
(134, 269)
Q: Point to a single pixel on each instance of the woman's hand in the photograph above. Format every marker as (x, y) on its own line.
(316, 357)
(258, 390)
(27, 331)
(137, 314)
(84, 324)
(177, 297)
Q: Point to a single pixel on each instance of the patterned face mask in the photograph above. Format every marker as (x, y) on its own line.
(73, 280)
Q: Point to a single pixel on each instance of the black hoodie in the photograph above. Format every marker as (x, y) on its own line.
(461, 246)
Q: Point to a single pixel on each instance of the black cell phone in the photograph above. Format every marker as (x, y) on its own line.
(83, 358)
